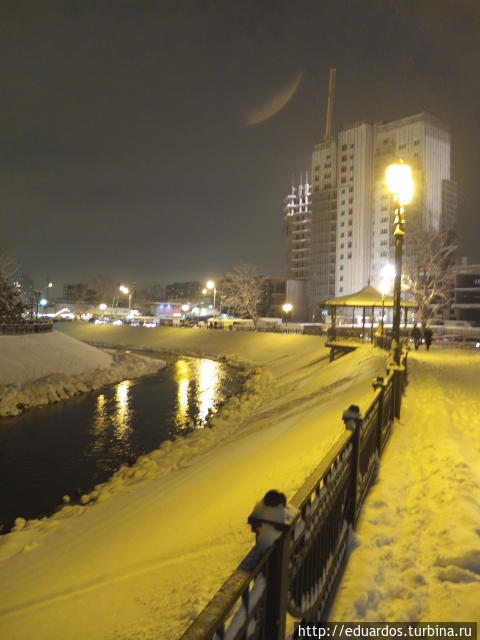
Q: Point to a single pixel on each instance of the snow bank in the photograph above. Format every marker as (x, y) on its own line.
(417, 555)
(40, 369)
(141, 560)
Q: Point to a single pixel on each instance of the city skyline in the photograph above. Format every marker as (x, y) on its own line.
(154, 144)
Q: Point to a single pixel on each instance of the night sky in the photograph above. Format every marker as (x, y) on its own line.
(126, 147)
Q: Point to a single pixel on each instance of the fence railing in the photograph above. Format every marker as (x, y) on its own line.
(294, 580)
(20, 328)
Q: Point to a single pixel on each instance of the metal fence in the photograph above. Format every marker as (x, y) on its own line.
(22, 328)
(294, 581)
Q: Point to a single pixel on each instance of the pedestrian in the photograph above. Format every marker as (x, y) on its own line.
(427, 337)
(416, 335)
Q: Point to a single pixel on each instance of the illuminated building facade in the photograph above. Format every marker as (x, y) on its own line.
(350, 224)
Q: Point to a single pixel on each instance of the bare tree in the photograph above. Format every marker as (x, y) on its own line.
(428, 274)
(12, 304)
(243, 290)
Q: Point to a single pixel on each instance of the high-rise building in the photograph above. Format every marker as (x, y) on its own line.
(350, 235)
(298, 213)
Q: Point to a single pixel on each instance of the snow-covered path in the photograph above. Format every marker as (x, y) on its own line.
(142, 563)
(418, 553)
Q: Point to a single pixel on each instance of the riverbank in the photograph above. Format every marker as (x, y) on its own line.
(39, 369)
(143, 559)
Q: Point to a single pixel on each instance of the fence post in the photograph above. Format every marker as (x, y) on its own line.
(353, 419)
(379, 383)
(271, 519)
(277, 589)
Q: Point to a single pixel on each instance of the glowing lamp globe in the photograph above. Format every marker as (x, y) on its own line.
(400, 182)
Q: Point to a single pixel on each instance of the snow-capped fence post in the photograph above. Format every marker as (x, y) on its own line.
(353, 419)
(271, 520)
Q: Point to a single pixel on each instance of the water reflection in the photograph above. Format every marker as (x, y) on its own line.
(124, 408)
(123, 415)
(199, 382)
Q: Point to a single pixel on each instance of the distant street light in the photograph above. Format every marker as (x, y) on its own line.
(401, 186)
(102, 308)
(211, 285)
(287, 308)
(126, 291)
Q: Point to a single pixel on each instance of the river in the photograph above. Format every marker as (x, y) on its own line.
(68, 448)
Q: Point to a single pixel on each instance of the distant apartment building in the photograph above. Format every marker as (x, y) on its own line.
(466, 295)
(350, 234)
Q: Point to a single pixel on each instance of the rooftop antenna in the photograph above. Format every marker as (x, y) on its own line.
(331, 95)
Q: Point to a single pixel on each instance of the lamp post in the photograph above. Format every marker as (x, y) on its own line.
(400, 184)
(287, 307)
(126, 291)
(102, 308)
(211, 285)
(387, 274)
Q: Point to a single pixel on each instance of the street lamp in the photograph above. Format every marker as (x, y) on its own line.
(400, 184)
(387, 275)
(211, 285)
(102, 308)
(287, 307)
(126, 291)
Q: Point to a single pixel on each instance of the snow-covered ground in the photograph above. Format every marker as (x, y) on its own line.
(418, 540)
(144, 558)
(41, 368)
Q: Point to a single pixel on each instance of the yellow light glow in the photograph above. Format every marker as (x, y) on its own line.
(400, 182)
(123, 289)
(102, 306)
(210, 284)
(182, 376)
(185, 307)
(123, 414)
(208, 380)
(204, 291)
(287, 307)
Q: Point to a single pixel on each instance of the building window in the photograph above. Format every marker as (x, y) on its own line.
(341, 278)
(350, 256)
(341, 289)
(344, 147)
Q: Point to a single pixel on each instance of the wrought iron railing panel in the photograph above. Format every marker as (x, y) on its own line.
(319, 538)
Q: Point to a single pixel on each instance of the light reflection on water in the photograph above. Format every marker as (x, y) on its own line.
(199, 383)
(199, 389)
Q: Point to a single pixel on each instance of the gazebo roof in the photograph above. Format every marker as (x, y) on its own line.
(366, 297)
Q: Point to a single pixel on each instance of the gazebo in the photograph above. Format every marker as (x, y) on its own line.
(366, 298)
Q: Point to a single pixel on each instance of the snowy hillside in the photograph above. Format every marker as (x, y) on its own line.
(145, 557)
(41, 368)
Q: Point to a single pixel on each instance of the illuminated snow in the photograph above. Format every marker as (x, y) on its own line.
(159, 539)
